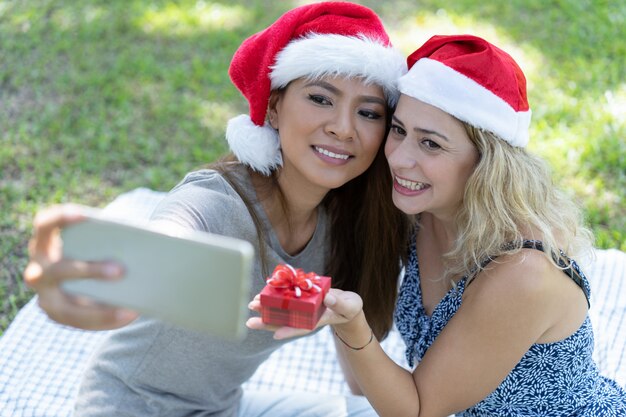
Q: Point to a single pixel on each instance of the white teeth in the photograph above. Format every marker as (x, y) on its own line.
(411, 185)
(331, 154)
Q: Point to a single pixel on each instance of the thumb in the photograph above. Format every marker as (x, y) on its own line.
(346, 304)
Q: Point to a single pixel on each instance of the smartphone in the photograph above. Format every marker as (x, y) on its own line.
(194, 279)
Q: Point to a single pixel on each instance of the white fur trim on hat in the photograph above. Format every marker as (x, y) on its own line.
(318, 55)
(436, 84)
(256, 146)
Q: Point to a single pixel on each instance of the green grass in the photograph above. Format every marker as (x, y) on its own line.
(100, 97)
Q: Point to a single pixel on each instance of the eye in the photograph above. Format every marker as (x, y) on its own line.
(370, 114)
(429, 144)
(319, 99)
(397, 130)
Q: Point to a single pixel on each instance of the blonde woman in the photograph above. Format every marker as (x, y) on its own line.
(493, 308)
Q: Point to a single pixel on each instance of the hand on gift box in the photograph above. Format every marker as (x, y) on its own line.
(293, 297)
(341, 307)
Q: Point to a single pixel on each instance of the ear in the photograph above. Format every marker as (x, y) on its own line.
(272, 108)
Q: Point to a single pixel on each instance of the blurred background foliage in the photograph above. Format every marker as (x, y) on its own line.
(98, 97)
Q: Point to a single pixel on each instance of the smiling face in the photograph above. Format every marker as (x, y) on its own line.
(430, 156)
(330, 130)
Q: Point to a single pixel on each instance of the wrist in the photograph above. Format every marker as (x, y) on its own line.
(355, 334)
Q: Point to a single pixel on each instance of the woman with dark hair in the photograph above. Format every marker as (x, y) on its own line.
(306, 185)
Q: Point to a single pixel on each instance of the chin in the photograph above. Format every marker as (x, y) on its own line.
(404, 206)
(331, 185)
(331, 181)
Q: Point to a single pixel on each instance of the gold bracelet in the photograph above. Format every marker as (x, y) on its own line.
(352, 347)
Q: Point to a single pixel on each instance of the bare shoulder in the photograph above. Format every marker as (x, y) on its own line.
(529, 284)
(528, 273)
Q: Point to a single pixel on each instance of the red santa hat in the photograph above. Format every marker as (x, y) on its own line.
(316, 40)
(472, 80)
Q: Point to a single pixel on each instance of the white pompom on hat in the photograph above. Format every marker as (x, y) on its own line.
(472, 80)
(312, 41)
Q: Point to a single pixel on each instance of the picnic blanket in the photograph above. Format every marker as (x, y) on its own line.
(41, 362)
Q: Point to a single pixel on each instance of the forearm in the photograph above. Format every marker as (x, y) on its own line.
(345, 367)
(390, 388)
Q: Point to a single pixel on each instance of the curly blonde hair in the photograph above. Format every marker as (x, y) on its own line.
(511, 197)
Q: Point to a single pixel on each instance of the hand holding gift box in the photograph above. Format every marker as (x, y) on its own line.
(293, 297)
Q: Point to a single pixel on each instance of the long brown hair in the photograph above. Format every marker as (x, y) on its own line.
(368, 237)
(369, 242)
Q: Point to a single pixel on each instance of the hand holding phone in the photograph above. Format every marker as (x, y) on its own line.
(194, 279)
(47, 269)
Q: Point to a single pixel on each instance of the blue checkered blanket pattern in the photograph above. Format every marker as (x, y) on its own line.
(41, 361)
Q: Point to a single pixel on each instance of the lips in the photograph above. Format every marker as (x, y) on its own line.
(335, 153)
(410, 185)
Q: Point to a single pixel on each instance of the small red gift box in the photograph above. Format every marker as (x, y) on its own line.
(293, 298)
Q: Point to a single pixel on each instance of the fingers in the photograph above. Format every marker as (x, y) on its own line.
(47, 223)
(345, 304)
(32, 274)
(289, 332)
(284, 332)
(73, 310)
(47, 269)
(38, 275)
(85, 314)
(256, 323)
(255, 304)
(72, 269)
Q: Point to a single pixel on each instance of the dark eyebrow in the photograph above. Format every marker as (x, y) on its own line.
(323, 84)
(421, 130)
(430, 132)
(328, 86)
(398, 121)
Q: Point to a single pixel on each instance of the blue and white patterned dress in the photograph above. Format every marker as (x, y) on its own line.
(552, 379)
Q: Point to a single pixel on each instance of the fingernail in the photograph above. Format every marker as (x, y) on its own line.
(124, 315)
(113, 270)
(330, 300)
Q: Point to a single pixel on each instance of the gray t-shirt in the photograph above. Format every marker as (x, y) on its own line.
(154, 368)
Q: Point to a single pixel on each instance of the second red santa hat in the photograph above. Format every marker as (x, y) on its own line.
(472, 80)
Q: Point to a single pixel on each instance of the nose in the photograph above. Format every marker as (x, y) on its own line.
(341, 125)
(399, 156)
